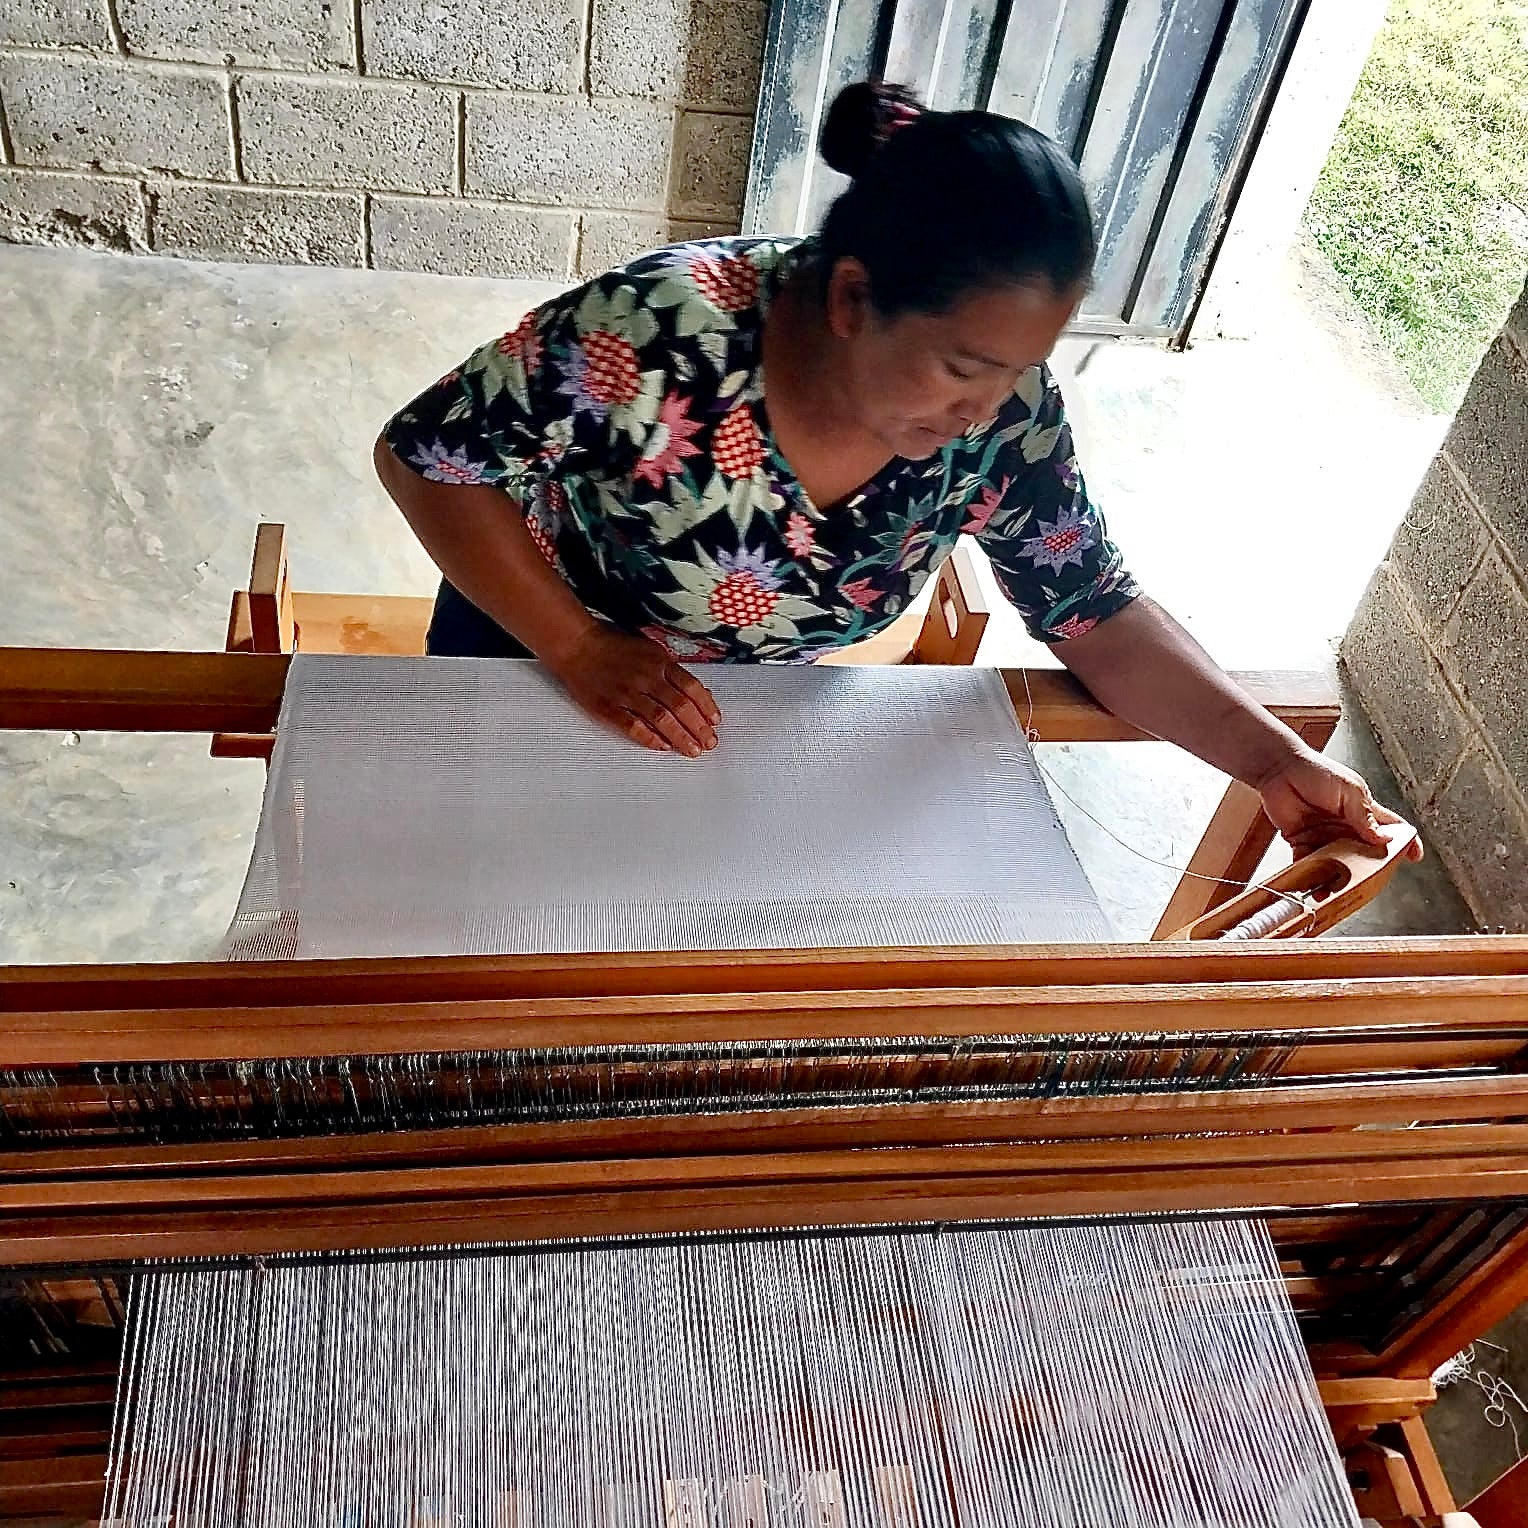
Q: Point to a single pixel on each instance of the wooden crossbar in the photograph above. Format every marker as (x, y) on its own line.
(101, 690)
(345, 1210)
(1456, 1021)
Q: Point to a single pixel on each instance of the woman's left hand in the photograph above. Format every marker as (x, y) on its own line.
(1312, 800)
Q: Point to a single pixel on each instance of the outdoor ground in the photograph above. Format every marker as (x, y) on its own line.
(1423, 206)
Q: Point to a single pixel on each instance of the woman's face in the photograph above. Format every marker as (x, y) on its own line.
(918, 380)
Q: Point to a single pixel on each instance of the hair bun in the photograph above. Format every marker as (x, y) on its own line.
(859, 121)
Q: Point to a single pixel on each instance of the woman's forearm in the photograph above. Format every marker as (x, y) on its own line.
(482, 546)
(1145, 668)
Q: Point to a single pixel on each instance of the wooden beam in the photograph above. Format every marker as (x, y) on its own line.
(1061, 711)
(1490, 1293)
(349, 1211)
(1425, 1466)
(1457, 1021)
(101, 691)
(273, 625)
(956, 619)
(196, 984)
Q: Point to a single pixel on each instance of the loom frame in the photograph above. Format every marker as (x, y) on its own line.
(1447, 1003)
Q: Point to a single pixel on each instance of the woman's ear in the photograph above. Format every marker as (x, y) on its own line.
(848, 298)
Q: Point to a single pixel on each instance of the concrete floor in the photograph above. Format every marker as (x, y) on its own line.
(153, 412)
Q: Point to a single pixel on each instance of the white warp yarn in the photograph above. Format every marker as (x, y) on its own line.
(440, 806)
(1082, 1376)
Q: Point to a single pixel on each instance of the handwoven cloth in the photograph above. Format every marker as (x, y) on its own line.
(440, 806)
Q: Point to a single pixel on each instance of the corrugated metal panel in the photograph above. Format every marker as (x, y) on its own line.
(1160, 102)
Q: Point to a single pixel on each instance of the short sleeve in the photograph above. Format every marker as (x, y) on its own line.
(535, 401)
(1045, 537)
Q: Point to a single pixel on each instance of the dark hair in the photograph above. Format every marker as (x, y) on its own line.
(947, 202)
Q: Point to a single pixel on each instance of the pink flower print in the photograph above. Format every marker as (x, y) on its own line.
(799, 535)
(984, 508)
(1061, 541)
(669, 444)
(862, 593)
(544, 518)
(600, 372)
(1074, 626)
(441, 465)
(523, 341)
(748, 591)
(613, 375)
(730, 282)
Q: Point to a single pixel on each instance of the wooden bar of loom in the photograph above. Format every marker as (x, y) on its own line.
(1384, 1138)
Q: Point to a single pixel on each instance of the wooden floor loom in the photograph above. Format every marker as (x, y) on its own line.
(1368, 1097)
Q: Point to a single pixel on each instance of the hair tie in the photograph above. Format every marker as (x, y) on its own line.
(894, 116)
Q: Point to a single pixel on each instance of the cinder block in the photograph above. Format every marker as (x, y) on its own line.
(1421, 727)
(78, 211)
(305, 34)
(1438, 546)
(1481, 831)
(523, 47)
(704, 52)
(568, 152)
(455, 238)
(275, 227)
(334, 132)
(108, 116)
(611, 239)
(1488, 656)
(55, 23)
(1489, 444)
(711, 165)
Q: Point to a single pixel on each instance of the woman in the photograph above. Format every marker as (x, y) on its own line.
(759, 449)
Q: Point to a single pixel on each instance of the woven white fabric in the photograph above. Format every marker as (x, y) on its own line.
(441, 806)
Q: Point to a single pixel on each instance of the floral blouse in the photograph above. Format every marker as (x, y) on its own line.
(627, 421)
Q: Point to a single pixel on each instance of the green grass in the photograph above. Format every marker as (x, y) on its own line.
(1423, 205)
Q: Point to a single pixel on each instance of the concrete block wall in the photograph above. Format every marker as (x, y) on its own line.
(1438, 651)
(547, 138)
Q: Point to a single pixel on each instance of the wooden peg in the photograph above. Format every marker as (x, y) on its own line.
(273, 626)
(956, 619)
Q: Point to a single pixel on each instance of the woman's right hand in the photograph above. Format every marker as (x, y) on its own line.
(631, 684)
